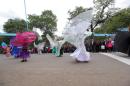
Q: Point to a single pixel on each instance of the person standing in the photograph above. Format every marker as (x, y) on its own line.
(129, 47)
(24, 54)
(7, 50)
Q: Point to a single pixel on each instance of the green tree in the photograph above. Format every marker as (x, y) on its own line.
(34, 20)
(119, 20)
(75, 12)
(47, 22)
(15, 25)
(103, 10)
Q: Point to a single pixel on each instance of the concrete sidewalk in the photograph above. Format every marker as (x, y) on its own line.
(48, 70)
(119, 56)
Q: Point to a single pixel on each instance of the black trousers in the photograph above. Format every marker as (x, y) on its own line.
(129, 51)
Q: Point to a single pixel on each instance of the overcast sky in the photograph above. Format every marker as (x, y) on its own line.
(15, 8)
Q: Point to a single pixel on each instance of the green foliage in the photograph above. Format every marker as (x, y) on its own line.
(103, 11)
(34, 20)
(75, 12)
(5, 39)
(14, 25)
(98, 30)
(38, 41)
(100, 38)
(119, 20)
(47, 21)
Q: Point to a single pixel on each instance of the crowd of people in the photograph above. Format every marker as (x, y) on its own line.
(17, 52)
(100, 46)
(91, 46)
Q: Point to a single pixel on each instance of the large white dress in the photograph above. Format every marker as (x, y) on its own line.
(75, 33)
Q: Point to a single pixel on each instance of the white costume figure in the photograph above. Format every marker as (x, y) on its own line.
(75, 33)
(56, 44)
(39, 47)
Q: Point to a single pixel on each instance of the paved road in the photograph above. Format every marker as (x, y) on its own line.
(48, 70)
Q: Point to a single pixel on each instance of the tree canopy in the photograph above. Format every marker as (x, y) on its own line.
(75, 12)
(118, 20)
(15, 25)
(47, 21)
(103, 10)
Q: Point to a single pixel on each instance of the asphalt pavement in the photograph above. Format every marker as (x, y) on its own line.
(48, 70)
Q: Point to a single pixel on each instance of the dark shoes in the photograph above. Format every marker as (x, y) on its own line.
(81, 61)
(24, 61)
(77, 61)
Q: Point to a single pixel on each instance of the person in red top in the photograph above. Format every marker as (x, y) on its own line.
(109, 45)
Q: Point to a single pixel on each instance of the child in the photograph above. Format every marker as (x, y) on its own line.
(24, 54)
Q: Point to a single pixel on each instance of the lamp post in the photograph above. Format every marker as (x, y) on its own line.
(26, 15)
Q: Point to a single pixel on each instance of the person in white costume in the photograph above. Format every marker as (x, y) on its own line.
(80, 54)
(39, 47)
(75, 33)
(55, 44)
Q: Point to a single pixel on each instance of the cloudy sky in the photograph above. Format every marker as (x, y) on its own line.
(15, 8)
